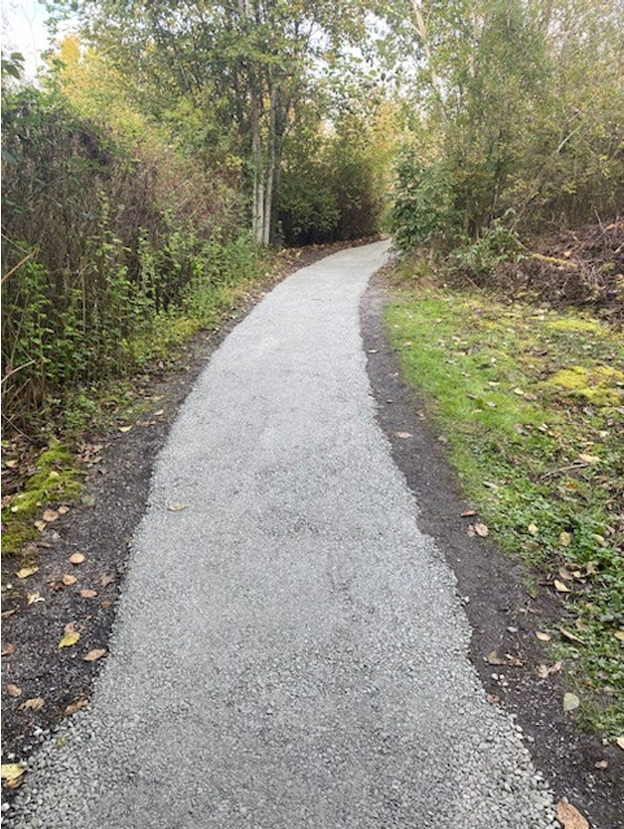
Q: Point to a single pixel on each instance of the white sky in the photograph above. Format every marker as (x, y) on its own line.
(23, 30)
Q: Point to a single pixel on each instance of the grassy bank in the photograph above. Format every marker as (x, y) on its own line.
(532, 402)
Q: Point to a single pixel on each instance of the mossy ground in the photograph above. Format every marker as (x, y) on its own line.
(541, 457)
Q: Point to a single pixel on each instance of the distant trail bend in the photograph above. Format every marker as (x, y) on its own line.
(289, 650)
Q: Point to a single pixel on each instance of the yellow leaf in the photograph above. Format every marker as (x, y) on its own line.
(177, 507)
(533, 529)
(125, 428)
(565, 539)
(620, 742)
(31, 598)
(619, 634)
(589, 458)
(11, 771)
(570, 702)
(543, 637)
(27, 571)
(561, 587)
(70, 638)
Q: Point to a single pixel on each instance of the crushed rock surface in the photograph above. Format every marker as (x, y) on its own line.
(290, 650)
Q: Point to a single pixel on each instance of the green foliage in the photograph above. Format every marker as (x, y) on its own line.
(101, 245)
(480, 259)
(423, 211)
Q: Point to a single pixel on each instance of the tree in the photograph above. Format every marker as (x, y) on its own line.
(244, 64)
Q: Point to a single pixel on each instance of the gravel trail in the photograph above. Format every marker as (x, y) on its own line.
(289, 650)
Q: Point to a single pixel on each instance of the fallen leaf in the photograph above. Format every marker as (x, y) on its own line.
(619, 634)
(620, 742)
(27, 571)
(88, 593)
(571, 636)
(403, 435)
(63, 509)
(565, 539)
(177, 507)
(481, 530)
(493, 699)
(94, 655)
(76, 705)
(494, 659)
(34, 704)
(570, 701)
(125, 428)
(50, 515)
(470, 531)
(106, 603)
(11, 771)
(7, 650)
(561, 587)
(70, 637)
(570, 817)
(11, 464)
(543, 637)
(591, 568)
(589, 458)
(77, 558)
(14, 690)
(31, 598)
(159, 412)
(68, 579)
(519, 392)
(544, 671)
(40, 525)
(533, 529)
(468, 513)
(6, 613)
(105, 580)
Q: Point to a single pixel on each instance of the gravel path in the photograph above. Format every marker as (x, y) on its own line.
(289, 650)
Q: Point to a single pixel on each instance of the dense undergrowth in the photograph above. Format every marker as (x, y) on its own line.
(532, 402)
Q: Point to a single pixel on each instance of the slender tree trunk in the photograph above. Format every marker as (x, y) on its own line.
(271, 169)
(257, 222)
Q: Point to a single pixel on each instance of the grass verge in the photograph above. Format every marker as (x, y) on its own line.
(531, 401)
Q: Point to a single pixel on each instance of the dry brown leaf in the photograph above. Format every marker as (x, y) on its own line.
(50, 515)
(70, 637)
(94, 655)
(543, 637)
(63, 509)
(561, 587)
(177, 506)
(77, 558)
(570, 817)
(34, 704)
(27, 571)
(620, 742)
(6, 613)
(68, 579)
(88, 593)
(481, 530)
(106, 603)
(619, 634)
(403, 435)
(31, 598)
(105, 579)
(494, 659)
(40, 525)
(588, 458)
(468, 513)
(125, 428)
(76, 705)
(7, 650)
(544, 671)
(14, 690)
(470, 531)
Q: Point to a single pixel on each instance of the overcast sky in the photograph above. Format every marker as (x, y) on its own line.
(23, 30)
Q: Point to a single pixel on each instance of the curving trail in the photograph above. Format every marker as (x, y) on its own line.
(289, 650)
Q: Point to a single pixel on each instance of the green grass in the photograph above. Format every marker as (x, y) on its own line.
(532, 403)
